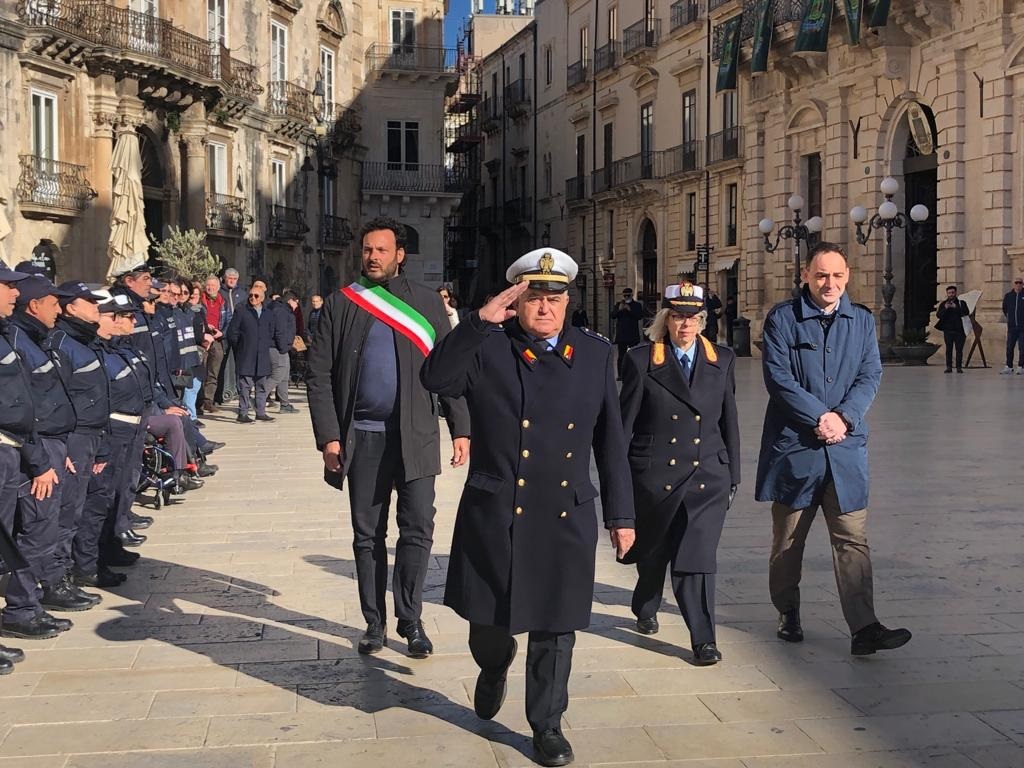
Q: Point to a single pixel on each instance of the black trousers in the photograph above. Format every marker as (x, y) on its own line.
(376, 468)
(954, 340)
(82, 449)
(548, 664)
(695, 593)
(623, 349)
(101, 498)
(1014, 340)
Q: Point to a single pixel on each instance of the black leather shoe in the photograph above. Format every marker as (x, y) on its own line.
(647, 626)
(104, 579)
(186, 482)
(90, 596)
(373, 640)
(419, 644)
(264, 417)
(13, 655)
(489, 694)
(875, 637)
(207, 470)
(289, 409)
(551, 748)
(61, 597)
(789, 626)
(61, 625)
(212, 445)
(244, 418)
(130, 538)
(142, 522)
(6, 667)
(34, 629)
(119, 558)
(706, 654)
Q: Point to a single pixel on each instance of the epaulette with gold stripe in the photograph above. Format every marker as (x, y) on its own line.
(658, 353)
(709, 350)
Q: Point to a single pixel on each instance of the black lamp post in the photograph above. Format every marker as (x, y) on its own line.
(545, 238)
(799, 231)
(887, 218)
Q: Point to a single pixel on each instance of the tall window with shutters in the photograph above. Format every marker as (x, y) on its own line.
(327, 73)
(403, 145)
(278, 52)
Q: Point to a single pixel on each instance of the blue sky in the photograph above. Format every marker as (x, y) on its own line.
(457, 11)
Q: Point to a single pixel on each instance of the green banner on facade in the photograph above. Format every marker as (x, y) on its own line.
(729, 60)
(764, 24)
(812, 36)
(854, 11)
(879, 14)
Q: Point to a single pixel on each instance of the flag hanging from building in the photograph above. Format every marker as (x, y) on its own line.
(764, 25)
(812, 36)
(854, 11)
(879, 14)
(730, 55)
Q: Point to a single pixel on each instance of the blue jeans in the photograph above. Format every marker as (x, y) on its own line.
(190, 396)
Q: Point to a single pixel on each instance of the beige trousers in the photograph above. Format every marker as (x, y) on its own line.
(851, 557)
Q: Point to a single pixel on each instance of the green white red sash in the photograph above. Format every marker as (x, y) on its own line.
(392, 311)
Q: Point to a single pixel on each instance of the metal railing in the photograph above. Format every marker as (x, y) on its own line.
(639, 167)
(290, 100)
(607, 56)
(335, 231)
(644, 34)
(576, 189)
(53, 183)
(725, 145)
(405, 57)
(683, 13)
(786, 11)
(683, 158)
(287, 223)
(577, 74)
(343, 123)
(518, 209)
(226, 213)
(240, 79)
(519, 94)
(407, 177)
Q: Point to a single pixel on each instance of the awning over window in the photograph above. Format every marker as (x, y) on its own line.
(727, 263)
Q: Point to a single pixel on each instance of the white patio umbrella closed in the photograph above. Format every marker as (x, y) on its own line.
(129, 243)
(5, 230)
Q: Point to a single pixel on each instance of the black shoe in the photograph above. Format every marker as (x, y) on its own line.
(61, 625)
(875, 637)
(419, 644)
(647, 626)
(706, 654)
(374, 639)
(789, 626)
(207, 470)
(244, 418)
(12, 655)
(489, 694)
(34, 629)
(61, 597)
(90, 596)
(948, 370)
(264, 417)
(130, 538)
(959, 370)
(289, 409)
(186, 482)
(6, 667)
(119, 558)
(142, 522)
(211, 446)
(551, 748)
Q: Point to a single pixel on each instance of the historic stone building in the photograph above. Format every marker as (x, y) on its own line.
(275, 126)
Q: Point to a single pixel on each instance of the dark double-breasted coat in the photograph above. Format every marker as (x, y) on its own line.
(251, 336)
(524, 546)
(684, 448)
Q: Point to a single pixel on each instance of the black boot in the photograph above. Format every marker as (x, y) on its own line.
(876, 637)
(551, 748)
(374, 639)
(419, 644)
(33, 629)
(789, 626)
(92, 598)
(61, 625)
(11, 655)
(61, 597)
(102, 579)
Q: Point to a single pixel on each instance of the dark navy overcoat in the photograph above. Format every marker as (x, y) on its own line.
(251, 336)
(808, 375)
(684, 449)
(523, 551)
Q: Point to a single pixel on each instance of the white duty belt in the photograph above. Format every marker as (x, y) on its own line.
(127, 418)
(6, 439)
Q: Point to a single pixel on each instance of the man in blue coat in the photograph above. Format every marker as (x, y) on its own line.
(252, 333)
(822, 371)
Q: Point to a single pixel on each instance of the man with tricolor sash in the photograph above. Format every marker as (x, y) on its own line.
(377, 426)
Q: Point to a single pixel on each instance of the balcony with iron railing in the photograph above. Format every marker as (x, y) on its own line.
(641, 37)
(518, 209)
(725, 145)
(643, 166)
(491, 115)
(52, 188)
(606, 58)
(411, 59)
(576, 190)
(335, 231)
(286, 224)
(414, 178)
(683, 158)
(343, 124)
(683, 13)
(518, 96)
(290, 101)
(577, 74)
(227, 214)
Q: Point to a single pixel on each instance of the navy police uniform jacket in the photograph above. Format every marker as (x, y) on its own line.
(17, 412)
(55, 415)
(523, 552)
(684, 449)
(148, 339)
(808, 374)
(128, 385)
(76, 348)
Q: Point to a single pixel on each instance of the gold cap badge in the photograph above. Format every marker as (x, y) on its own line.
(546, 264)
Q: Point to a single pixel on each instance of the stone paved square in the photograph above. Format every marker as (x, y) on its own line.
(232, 643)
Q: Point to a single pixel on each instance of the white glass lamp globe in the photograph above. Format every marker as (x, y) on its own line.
(765, 226)
(889, 186)
(919, 213)
(888, 210)
(815, 224)
(795, 203)
(858, 214)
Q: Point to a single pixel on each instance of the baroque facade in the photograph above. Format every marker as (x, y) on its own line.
(275, 126)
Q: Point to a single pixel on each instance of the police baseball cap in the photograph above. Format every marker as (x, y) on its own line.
(8, 275)
(30, 267)
(548, 269)
(684, 298)
(75, 290)
(37, 287)
(139, 269)
(116, 304)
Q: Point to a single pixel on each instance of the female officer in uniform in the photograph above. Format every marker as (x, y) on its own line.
(679, 415)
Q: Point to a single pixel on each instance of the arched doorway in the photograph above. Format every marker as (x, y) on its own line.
(649, 288)
(920, 182)
(153, 181)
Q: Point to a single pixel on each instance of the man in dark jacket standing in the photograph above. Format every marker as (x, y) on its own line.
(542, 396)
(822, 370)
(627, 315)
(280, 362)
(234, 300)
(951, 313)
(1013, 308)
(376, 425)
(254, 330)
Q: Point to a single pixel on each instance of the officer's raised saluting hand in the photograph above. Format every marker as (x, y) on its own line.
(497, 310)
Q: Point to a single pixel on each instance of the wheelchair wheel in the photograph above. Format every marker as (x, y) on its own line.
(165, 494)
(158, 502)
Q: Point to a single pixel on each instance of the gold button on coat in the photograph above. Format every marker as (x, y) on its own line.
(520, 482)
(526, 423)
(526, 454)
(697, 417)
(568, 455)
(668, 487)
(696, 441)
(673, 441)
(563, 514)
(675, 417)
(696, 463)
(701, 487)
(519, 510)
(571, 426)
(565, 483)
(671, 462)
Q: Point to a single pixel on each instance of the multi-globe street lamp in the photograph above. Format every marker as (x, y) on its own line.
(799, 231)
(887, 218)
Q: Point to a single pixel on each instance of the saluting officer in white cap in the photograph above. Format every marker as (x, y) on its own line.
(542, 395)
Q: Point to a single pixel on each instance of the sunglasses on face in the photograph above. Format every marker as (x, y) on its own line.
(254, 296)
(1018, 282)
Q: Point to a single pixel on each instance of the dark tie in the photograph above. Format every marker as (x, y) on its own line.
(685, 362)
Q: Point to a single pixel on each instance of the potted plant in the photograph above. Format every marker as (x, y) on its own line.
(913, 347)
